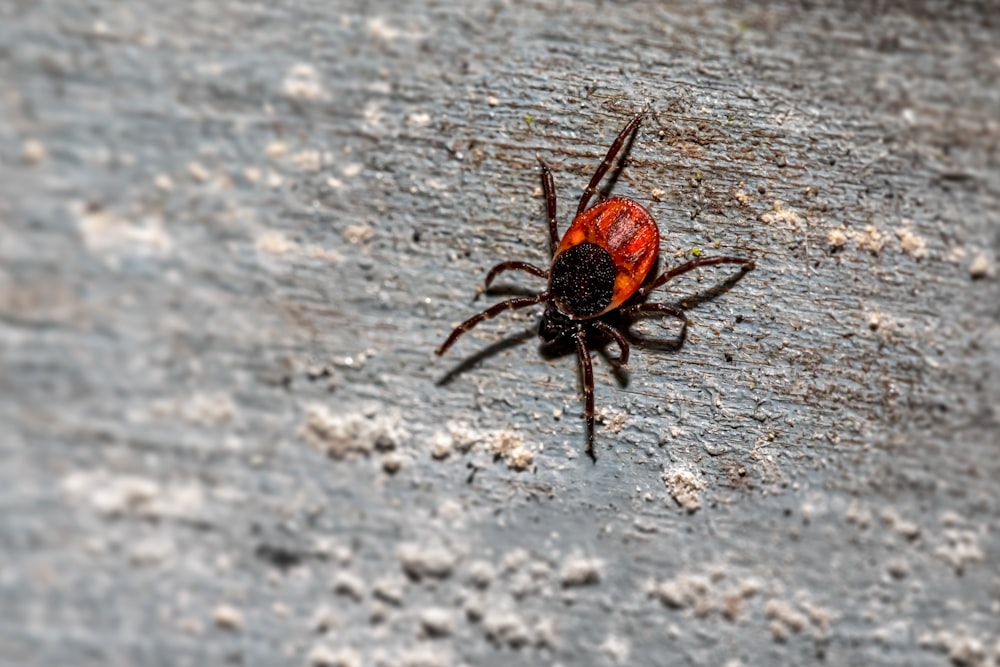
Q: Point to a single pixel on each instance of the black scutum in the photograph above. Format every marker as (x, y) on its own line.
(583, 280)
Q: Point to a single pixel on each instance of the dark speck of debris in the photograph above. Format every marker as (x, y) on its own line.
(318, 372)
(279, 557)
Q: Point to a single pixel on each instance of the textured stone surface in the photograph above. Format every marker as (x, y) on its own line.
(232, 234)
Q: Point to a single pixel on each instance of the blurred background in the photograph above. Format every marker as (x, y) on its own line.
(232, 234)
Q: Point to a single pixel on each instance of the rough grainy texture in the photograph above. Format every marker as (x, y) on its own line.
(231, 235)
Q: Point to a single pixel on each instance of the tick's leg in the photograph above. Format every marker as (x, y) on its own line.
(549, 187)
(588, 389)
(619, 338)
(608, 160)
(656, 308)
(489, 314)
(514, 266)
(748, 265)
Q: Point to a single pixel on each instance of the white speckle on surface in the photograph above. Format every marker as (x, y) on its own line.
(164, 182)
(324, 619)
(960, 549)
(515, 559)
(391, 463)
(580, 571)
(34, 152)
(274, 179)
(440, 445)
(781, 213)
(450, 510)
(870, 239)
(506, 628)
(964, 649)
(114, 495)
(352, 434)
(302, 82)
(685, 486)
(734, 600)
(474, 608)
(544, 632)
(889, 328)
(463, 437)
(858, 514)
(112, 237)
(228, 617)
(308, 160)
(421, 656)
(616, 648)
(836, 238)
(253, 175)
(901, 526)
(436, 622)
(209, 410)
(418, 119)
(380, 30)
(358, 234)
(198, 172)
(349, 584)
(509, 446)
(685, 591)
(897, 568)
(420, 561)
(379, 612)
(956, 254)
(322, 655)
(351, 169)
(274, 243)
(951, 519)
(912, 243)
(481, 573)
(981, 267)
(784, 616)
(820, 617)
(152, 550)
(389, 589)
(276, 150)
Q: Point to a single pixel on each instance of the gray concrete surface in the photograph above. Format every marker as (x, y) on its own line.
(231, 235)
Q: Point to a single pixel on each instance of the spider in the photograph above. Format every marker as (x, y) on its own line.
(598, 268)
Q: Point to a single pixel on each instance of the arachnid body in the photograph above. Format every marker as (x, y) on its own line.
(599, 266)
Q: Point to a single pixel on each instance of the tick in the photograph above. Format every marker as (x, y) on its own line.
(598, 273)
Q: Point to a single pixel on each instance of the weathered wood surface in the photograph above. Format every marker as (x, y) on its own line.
(232, 234)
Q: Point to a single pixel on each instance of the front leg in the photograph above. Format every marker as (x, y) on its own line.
(609, 159)
(514, 265)
(549, 187)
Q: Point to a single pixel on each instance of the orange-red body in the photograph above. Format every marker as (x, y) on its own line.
(597, 267)
(628, 232)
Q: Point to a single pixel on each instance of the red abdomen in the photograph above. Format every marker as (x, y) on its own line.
(630, 235)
